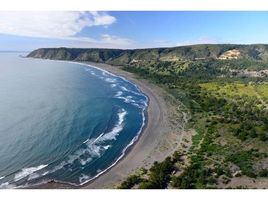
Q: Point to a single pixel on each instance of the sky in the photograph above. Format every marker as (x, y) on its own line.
(28, 30)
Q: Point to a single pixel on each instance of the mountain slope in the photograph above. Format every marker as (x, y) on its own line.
(119, 57)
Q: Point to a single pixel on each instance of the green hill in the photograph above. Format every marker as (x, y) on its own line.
(257, 52)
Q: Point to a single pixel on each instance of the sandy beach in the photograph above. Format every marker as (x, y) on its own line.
(158, 139)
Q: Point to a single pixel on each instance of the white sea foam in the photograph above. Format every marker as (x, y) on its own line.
(94, 147)
(117, 128)
(124, 150)
(86, 141)
(3, 185)
(118, 94)
(36, 175)
(139, 93)
(124, 88)
(129, 99)
(83, 177)
(89, 153)
(107, 147)
(90, 71)
(27, 171)
(137, 105)
(2, 177)
(84, 162)
(33, 176)
(98, 137)
(131, 91)
(104, 73)
(110, 80)
(92, 151)
(7, 185)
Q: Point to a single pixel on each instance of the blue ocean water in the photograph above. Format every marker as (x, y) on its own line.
(63, 121)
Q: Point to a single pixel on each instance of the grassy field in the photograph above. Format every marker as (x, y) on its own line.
(258, 91)
(233, 89)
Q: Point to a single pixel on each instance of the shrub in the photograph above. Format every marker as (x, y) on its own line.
(263, 173)
(263, 136)
(130, 182)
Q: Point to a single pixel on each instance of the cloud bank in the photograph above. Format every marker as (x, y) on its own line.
(62, 25)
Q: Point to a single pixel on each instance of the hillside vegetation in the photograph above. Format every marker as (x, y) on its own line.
(224, 88)
(121, 57)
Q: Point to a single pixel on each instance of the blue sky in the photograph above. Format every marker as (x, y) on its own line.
(31, 30)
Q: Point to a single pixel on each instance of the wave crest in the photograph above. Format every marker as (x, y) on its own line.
(91, 148)
(27, 171)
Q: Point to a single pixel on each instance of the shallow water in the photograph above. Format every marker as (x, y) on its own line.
(63, 121)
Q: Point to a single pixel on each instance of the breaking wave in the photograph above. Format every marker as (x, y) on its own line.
(27, 171)
(90, 149)
(6, 185)
(125, 94)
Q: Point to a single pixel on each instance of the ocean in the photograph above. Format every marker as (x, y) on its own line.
(63, 121)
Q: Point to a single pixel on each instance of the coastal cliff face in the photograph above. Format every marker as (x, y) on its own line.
(93, 55)
(175, 54)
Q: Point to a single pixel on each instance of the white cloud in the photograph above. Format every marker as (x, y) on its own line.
(60, 24)
(111, 39)
(64, 26)
(104, 41)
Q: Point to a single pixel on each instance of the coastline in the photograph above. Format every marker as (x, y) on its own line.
(134, 156)
(146, 149)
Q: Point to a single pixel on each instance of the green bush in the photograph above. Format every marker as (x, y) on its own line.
(130, 182)
(263, 173)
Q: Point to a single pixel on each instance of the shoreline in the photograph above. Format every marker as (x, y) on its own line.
(129, 146)
(143, 151)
